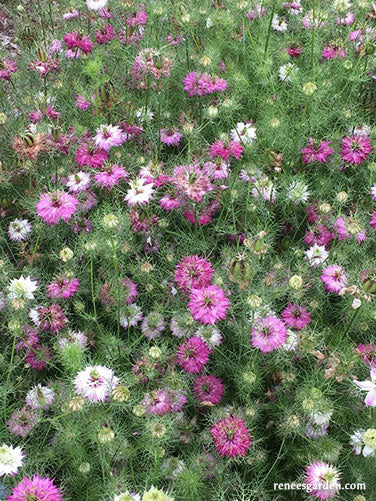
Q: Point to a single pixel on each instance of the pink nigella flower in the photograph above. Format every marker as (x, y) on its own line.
(7, 67)
(111, 176)
(169, 202)
(108, 136)
(217, 169)
(192, 181)
(171, 138)
(355, 149)
(82, 103)
(323, 479)
(231, 148)
(193, 355)
(204, 216)
(51, 318)
(54, 206)
(208, 390)
(201, 83)
(38, 357)
(231, 437)
(193, 273)
(296, 316)
(332, 51)
(370, 387)
(208, 304)
(96, 383)
(334, 278)
(268, 334)
(63, 288)
(90, 155)
(130, 290)
(348, 20)
(76, 41)
(153, 325)
(157, 403)
(367, 353)
(38, 488)
(320, 153)
(149, 63)
(22, 421)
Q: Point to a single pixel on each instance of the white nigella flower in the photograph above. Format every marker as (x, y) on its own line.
(209, 334)
(316, 255)
(279, 24)
(321, 417)
(78, 181)
(127, 496)
(341, 5)
(11, 458)
(22, 288)
(19, 230)
(287, 72)
(96, 4)
(144, 115)
(96, 383)
(297, 191)
(364, 442)
(140, 192)
(246, 133)
(291, 342)
(40, 397)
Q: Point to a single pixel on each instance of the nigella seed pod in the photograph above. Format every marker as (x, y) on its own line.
(56, 133)
(240, 271)
(369, 282)
(29, 138)
(42, 54)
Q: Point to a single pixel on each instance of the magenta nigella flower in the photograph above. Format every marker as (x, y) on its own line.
(373, 220)
(208, 390)
(75, 41)
(193, 355)
(22, 421)
(367, 353)
(332, 51)
(200, 84)
(54, 206)
(178, 400)
(108, 136)
(63, 288)
(38, 488)
(208, 304)
(111, 176)
(334, 278)
(157, 403)
(231, 437)
(312, 153)
(323, 479)
(106, 34)
(294, 51)
(171, 138)
(268, 333)
(130, 290)
(193, 273)
(355, 149)
(90, 155)
(296, 316)
(319, 235)
(231, 148)
(51, 318)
